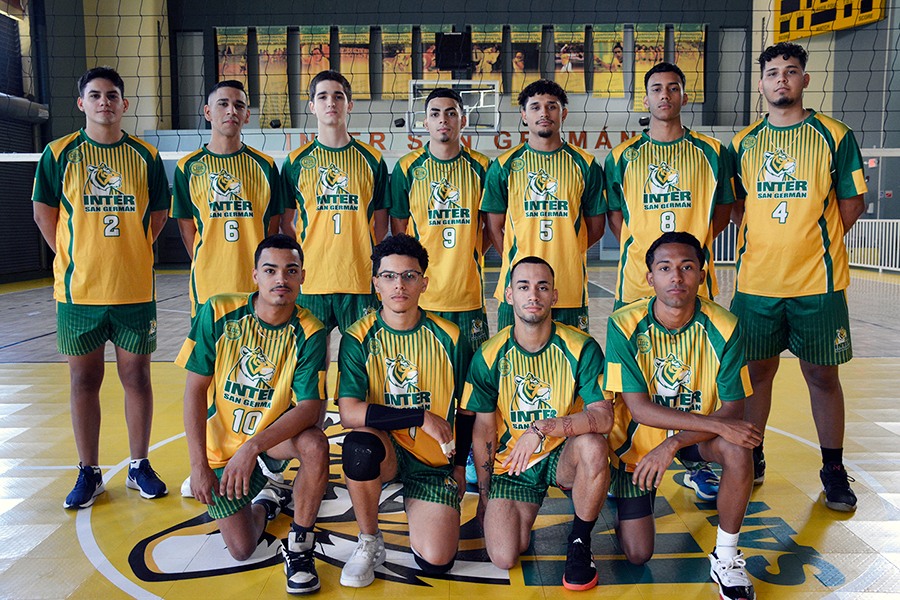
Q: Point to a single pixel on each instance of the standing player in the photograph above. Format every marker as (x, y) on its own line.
(551, 194)
(666, 179)
(670, 359)
(227, 199)
(334, 187)
(799, 186)
(527, 383)
(258, 351)
(401, 372)
(100, 200)
(436, 195)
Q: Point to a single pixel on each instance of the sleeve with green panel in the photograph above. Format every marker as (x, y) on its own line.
(353, 373)
(728, 380)
(724, 189)
(288, 184)
(592, 200)
(205, 332)
(620, 357)
(589, 373)
(614, 194)
(47, 180)
(848, 161)
(481, 389)
(496, 189)
(182, 207)
(380, 197)
(310, 361)
(276, 200)
(160, 197)
(400, 189)
(737, 184)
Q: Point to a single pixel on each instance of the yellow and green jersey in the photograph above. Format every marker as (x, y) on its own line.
(105, 194)
(336, 192)
(791, 241)
(662, 187)
(690, 369)
(521, 387)
(259, 371)
(546, 196)
(424, 367)
(230, 199)
(441, 199)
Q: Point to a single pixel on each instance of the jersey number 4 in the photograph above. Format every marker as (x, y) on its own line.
(781, 212)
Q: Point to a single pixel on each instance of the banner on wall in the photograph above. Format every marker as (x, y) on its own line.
(690, 56)
(315, 52)
(275, 111)
(609, 80)
(231, 43)
(429, 48)
(569, 42)
(396, 57)
(794, 20)
(649, 49)
(354, 44)
(526, 56)
(486, 43)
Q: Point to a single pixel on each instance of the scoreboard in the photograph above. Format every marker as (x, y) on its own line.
(796, 19)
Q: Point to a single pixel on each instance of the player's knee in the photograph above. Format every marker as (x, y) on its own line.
(362, 455)
(311, 442)
(241, 550)
(432, 569)
(504, 559)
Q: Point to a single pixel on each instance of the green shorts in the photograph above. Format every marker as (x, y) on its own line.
(424, 482)
(339, 310)
(82, 328)
(473, 325)
(814, 328)
(532, 485)
(621, 486)
(575, 317)
(223, 507)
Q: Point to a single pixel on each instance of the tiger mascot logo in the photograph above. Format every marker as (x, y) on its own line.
(254, 369)
(444, 195)
(402, 375)
(541, 186)
(777, 166)
(224, 186)
(332, 180)
(102, 181)
(662, 179)
(671, 376)
(531, 393)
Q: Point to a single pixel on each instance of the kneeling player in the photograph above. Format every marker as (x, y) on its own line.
(258, 351)
(670, 359)
(528, 381)
(401, 373)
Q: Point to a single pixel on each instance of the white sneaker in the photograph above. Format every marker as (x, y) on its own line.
(186, 488)
(731, 575)
(359, 571)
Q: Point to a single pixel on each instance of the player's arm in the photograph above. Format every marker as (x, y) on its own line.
(274, 224)
(851, 209)
(615, 219)
(380, 224)
(188, 230)
(484, 448)
(158, 220)
(495, 223)
(357, 413)
(737, 212)
(287, 222)
(46, 218)
(398, 225)
(203, 479)
(721, 218)
(595, 227)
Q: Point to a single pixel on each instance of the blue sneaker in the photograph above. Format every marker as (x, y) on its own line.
(145, 479)
(471, 475)
(87, 488)
(704, 482)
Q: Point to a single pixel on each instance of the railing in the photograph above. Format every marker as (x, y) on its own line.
(872, 244)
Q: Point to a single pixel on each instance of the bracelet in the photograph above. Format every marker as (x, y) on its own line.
(533, 429)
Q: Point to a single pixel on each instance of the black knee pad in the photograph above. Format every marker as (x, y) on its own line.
(635, 508)
(430, 569)
(362, 455)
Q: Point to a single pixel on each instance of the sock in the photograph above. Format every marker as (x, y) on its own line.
(300, 530)
(135, 463)
(581, 529)
(832, 455)
(726, 544)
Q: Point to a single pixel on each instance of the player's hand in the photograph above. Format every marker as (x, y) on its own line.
(741, 433)
(648, 473)
(521, 454)
(204, 484)
(439, 429)
(235, 482)
(459, 474)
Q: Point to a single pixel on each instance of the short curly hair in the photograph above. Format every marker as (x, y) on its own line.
(401, 245)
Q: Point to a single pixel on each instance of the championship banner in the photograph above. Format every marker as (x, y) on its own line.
(569, 42)
(315, 52)
(649, 49)
(690, 56)
(354, 44)
(275, 111)
(429, 49)
(396, 57)
(231, 43)
(609, 80)
(795, 20)
(526, 57)
(486, 43)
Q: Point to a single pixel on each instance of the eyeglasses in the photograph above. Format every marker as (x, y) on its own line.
(406, 276)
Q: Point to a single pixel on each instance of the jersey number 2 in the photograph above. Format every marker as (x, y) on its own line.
(112, 226)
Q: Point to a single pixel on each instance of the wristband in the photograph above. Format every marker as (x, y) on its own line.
(390, 418)
(533, 429)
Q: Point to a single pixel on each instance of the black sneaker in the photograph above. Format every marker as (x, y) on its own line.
(581, 574)
(299, 563)
(87, 488)
(838, 495)
(759, 466)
